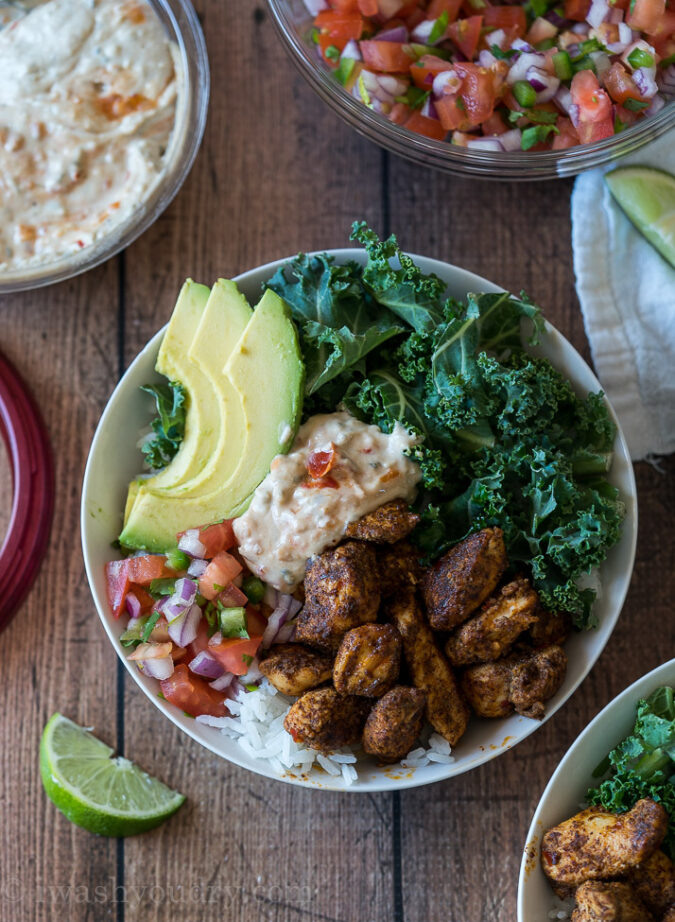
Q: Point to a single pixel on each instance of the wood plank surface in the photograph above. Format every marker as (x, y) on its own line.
(278, 172)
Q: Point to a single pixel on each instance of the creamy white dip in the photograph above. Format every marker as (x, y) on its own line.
(88, 93)
(294, 516)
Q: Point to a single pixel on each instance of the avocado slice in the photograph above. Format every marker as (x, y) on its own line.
(260, 392)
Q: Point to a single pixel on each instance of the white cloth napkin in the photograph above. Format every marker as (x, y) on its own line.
(627, 294)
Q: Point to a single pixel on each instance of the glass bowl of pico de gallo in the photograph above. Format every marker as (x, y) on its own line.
(520, 91)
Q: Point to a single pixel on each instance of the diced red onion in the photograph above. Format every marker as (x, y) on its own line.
(498, 37)
(510, 140)
(197, 568)
(446, 82)
(392, 86)
(254, 674)
(601, 61)
(655, 105)
(223, 682)
(294, 607)
(351, 50)
(157, 668)
(183, 630)
(579, 28)
(520, 67)
(215, 639)
(422, 32)
(615, 16)
(429, 109)
(555, 18)
(544, 83)
(274, 622)
(286, 632)
(190, 544)
(563, 98)
(133, 605)
(667, 80)
(575, 114)
(645, 83)
(625, 33)
(397, 34)
(487, 144)
(486, 58)
(519, 44)
(206, 665)
(271, 596)
(185, 590)
(598, 13)
(314, 7)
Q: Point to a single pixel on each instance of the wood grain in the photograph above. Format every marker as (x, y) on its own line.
(278, 172)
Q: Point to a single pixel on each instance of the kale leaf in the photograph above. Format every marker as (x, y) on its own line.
(168, 425)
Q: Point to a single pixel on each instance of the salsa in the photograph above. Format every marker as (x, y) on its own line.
(487, 76)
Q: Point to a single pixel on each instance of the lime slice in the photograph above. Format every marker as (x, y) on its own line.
(648, 198)
(109, 796)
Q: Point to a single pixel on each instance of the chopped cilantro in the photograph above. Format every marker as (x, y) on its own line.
(635, 105)
(439, 27)
(535, 134)
(168, 426)
(149, 625)
(332, 53)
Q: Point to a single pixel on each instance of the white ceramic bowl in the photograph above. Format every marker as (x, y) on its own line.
(114, 460)
(567, 788)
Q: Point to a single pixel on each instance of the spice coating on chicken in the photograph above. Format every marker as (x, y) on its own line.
(368, 660)
(609, 902)
(670, 914)
(324, 720)
(492, 632)
(595, 845)
(654, 882)
(341, 591)
(446, 709)
(400, 568)
(550, 628)
(463, 578)
(293, 669)
(390, 523)
(394, 724)
(522, 682)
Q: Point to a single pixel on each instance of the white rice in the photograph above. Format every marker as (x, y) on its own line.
(257, 723)
(561, 909)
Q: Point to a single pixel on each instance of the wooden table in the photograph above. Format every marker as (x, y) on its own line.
(277, 173)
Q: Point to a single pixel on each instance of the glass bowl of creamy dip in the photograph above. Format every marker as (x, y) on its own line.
(113, 462)
(102, 111)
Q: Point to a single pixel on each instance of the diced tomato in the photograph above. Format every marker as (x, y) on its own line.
(664, 30)
(201, 641)
(594, 104)
(477, 92)
(590, 132)
(345, 6)
(465, 33)
(619, 84)
(151, 651)
(567, 136)
(320, 462)
(437, 7)
(646, 15)
(387, 57)
(160, 632)
(232, 597)
(192, 694)
(577, 9)
(494, 125)
(337, 29)
(235, 653)
(178, 653)
(399, 113)
(215, 538)
(256, 622)
(424, 70)
(414, 19)
(120, 574)
(367, 7)
(429, 127)
(505, 17)
(219, 573)
(145, 599)
(451, 112)
(320, 483)
(389, 8)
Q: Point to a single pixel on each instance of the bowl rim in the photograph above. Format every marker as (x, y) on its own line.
(181, 18)
(633, 692)
(517, 166)
(210, 740)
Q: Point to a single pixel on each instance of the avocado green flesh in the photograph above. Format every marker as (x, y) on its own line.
(259, 390)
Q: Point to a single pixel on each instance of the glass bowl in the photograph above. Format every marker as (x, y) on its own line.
(182, 25)
(294, 23)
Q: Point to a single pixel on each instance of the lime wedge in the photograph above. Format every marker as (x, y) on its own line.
(648, 198)
(109, 796)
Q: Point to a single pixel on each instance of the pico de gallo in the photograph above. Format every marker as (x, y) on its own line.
(540, 75)
(198, 618)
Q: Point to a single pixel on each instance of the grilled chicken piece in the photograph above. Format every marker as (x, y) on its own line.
(293, 669)
(324, 720)
(550, 628)
(394, 724)
(492, 632)
(399, 568)
(463, 578)
(431, 673)
(341, 591)
(609, 902)
(368, 660)
(595, 845)
(654, 882)
(520, 682)
(670, 914)
(386, 525)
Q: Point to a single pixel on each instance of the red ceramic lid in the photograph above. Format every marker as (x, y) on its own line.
(30, 458)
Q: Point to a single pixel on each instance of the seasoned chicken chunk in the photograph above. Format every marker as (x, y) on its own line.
(500, 621)
(595, 845)
(294, 669)
(368, 660)
(550, 628)
(399, 568)
(522, 682)
(609, 902)
(394, 724)
(446, 709)
(324, 720)
(670, 914)
(463, 578)
(341, 591)
(386, 525)
(654, 882)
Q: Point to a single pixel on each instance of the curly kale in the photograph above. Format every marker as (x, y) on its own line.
(168, 425)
